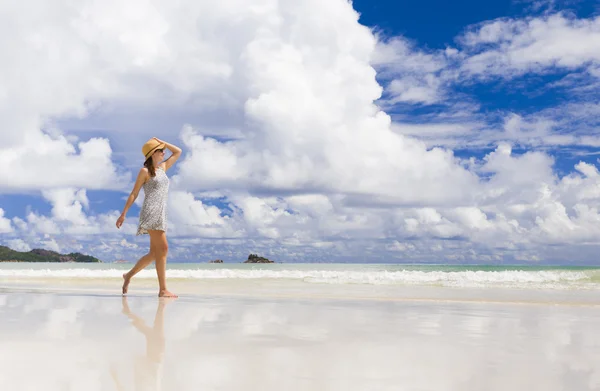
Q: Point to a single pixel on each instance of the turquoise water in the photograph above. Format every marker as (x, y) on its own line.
(298, 266)
(552, 277)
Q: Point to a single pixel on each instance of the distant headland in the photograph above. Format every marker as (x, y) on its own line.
(39, 255)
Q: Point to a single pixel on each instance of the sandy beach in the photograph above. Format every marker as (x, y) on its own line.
(264, 335)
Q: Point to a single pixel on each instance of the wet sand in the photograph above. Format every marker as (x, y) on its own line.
(262, 336)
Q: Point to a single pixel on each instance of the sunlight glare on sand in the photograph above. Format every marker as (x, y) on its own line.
(61, 341)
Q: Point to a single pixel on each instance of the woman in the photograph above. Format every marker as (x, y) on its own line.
(153, 216)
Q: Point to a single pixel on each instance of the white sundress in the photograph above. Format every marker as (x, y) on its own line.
(153, 215)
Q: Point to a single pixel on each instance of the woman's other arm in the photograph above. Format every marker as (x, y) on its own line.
(141, 179)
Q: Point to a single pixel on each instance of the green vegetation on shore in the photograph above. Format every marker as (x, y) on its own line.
(39, 255)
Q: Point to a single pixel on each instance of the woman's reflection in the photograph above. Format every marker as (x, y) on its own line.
(148, 368)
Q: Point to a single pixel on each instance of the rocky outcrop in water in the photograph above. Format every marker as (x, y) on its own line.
(253, 258)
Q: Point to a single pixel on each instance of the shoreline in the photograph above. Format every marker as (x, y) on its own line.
(289, 291)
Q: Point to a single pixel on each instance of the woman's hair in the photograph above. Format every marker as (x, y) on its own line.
(150, 166)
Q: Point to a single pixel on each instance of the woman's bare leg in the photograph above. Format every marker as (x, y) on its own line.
(141, 264)
(161, 249)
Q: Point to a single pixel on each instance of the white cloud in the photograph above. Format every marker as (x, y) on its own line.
(416, 76)
(50, 244)
(535, 44)
(39, 224)
(68, 226)
(125, 243)
(193, 217)
(382, 167)
(402, 247)
(448, 134)
(572, 124)
(45, 163)
(415, 90)
(20, 224)
(18, 245)
(68, 204)
(89, 58)
(511, 186)
(5, 225)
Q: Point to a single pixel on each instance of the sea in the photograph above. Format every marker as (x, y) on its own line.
(467, 276)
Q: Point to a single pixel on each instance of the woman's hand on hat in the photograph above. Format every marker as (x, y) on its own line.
(159, 140)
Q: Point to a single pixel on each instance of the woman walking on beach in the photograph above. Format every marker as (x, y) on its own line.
(153, 215)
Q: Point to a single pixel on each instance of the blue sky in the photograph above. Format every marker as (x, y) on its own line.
(444, 132)
(435, 25)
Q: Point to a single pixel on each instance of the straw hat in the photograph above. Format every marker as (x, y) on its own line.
(151, 146)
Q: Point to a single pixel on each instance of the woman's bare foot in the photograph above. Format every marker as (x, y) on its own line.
(125, 283)
(166, 293)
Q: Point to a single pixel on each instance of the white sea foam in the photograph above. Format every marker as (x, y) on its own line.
(508, 278)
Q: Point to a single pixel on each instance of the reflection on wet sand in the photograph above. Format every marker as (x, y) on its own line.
(147, 368)
(69, 342)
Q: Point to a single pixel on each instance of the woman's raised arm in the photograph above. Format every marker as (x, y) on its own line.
(176, 153)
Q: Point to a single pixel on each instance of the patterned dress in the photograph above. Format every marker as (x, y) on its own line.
(153, 215)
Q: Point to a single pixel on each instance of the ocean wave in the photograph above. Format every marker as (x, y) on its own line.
(508, 278)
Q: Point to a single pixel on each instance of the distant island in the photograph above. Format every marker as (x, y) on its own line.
(253, 258)
(39, 255)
